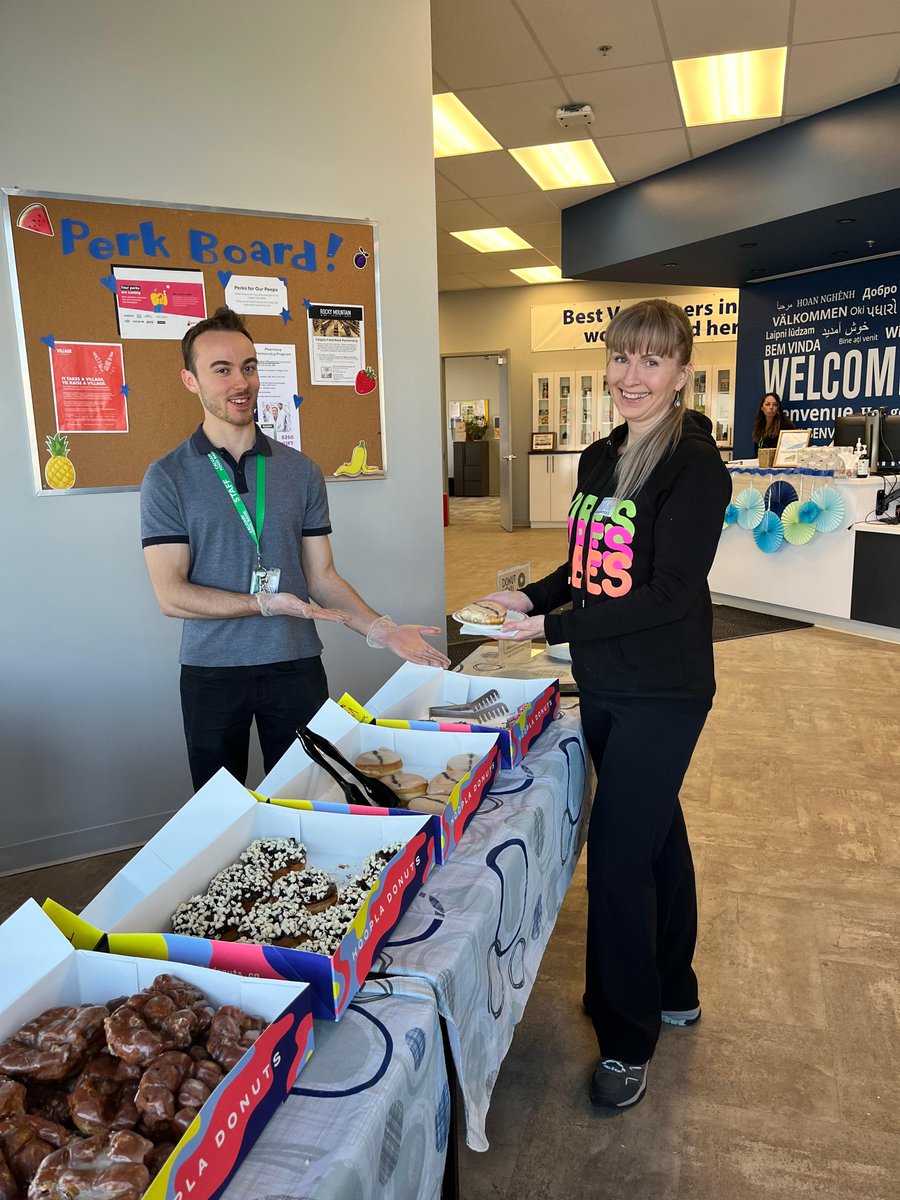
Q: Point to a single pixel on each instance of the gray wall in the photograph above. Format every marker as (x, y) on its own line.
(287, 105)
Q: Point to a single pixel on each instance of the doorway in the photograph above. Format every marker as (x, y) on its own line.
(475, 386)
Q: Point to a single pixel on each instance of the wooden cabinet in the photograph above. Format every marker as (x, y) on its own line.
(471, 466)
(551, 480)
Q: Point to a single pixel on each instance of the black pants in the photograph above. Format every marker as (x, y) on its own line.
(219, 703)
(642, 902)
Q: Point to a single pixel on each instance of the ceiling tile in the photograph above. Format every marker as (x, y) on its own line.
(445, 190)
(499, 279)
(545, 233)
(641, 154)
(534, 206)
(449, 282)
(830, 20)
(569, 196)
(827, 73)
(487, 174)
(571, 30)
(468, 264)
(479, 45)
(695, 28)
(521, 114)
(705, 138)
(632, 100)
(463, 214)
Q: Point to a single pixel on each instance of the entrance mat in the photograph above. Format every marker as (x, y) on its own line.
(730, 623)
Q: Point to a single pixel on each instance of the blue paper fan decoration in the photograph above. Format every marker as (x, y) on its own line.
(797, 532)
(750, 506)
(779, 495)
(769, 533)
(731, 515)
(809, 512)
(831, 506)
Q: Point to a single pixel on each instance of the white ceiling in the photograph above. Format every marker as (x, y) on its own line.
(513, 63)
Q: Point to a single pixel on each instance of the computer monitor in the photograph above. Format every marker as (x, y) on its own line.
(849, 430)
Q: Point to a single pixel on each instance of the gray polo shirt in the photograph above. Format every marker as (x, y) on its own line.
(184, 501)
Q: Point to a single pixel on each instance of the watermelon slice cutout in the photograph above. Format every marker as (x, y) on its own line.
(35, 218)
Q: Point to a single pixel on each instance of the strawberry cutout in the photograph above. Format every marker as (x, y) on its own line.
(366, 381)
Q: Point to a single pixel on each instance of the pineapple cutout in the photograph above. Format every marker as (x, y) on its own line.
(59, 472)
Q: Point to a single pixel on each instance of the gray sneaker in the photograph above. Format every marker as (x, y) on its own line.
(686, 1016)
(618, 1085)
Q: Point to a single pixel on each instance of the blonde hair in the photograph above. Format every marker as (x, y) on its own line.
(661, 328)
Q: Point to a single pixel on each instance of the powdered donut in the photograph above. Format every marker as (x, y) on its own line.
(380, 762)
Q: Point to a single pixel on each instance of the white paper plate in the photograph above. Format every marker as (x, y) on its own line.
(491, 631)
(560, 651)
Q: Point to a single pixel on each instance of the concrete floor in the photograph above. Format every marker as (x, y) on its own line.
(789, 1088)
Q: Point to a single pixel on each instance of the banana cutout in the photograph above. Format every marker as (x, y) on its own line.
(358, 464)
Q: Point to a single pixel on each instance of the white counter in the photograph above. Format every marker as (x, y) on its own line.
(812, 579)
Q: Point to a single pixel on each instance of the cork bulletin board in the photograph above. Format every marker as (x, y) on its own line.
(104, 290)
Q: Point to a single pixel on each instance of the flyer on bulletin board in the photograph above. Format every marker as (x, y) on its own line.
(337, 343)
(276, 411)
(156, 303)
(89, 393)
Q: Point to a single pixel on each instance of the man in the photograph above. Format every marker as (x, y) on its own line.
(235, 533)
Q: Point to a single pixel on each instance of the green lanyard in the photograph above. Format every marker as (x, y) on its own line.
(239, 504)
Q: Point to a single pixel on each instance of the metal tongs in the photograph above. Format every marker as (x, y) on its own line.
(366, 789)
(480, 711)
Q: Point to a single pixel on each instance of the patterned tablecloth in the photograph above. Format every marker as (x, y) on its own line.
(370, 1115)
(477, 931)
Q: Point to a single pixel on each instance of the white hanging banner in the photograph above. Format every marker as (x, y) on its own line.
(578, 326)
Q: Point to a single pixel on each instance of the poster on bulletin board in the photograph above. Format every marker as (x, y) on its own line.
(104, 290)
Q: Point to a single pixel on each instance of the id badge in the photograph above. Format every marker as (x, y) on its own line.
(606, 505)
(265, 579)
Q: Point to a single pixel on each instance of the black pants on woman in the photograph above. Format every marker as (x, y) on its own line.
(642, 902)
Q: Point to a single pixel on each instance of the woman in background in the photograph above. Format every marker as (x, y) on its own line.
(770, 420)
(643, 529)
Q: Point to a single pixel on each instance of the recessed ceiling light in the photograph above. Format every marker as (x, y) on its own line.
(489, 241)
(539, 274)
(845, 221)
(672, 264)
(731, 87)
(563, 164)
(747, 245)
(456, 131)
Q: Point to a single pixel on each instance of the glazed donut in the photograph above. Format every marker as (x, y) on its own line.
(428, 805)
(12, 1098)
(383, 761)
(112, 1166)
(441, 784)
(49, 1100)
(148, 1025)
(405, 785)
(461, 764)
(26, 1142)
(9, 1188)
(103, 1095)
(231, 1035)
(160, 1085)
(185, 996)
(55, 1044)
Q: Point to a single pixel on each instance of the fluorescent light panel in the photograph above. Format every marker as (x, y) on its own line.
(731, 87)
(490, 241)
(539, 274)
(456, 131)
(563, 164)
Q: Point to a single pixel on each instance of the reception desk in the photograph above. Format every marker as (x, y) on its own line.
(813, 582)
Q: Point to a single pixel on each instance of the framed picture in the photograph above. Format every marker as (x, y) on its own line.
(543, 441)
(790, 443)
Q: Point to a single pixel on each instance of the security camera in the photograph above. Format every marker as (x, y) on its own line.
(575, 114)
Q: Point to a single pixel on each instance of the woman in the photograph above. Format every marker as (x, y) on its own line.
(643, 528)
(770, 420)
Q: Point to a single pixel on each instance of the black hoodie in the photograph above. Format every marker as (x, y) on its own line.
(641, 618)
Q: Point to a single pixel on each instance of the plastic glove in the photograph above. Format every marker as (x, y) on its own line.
(406, 641)
(283, 604)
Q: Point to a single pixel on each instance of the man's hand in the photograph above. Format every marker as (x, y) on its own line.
(517, 601)
(283, 604)
(407, 642)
